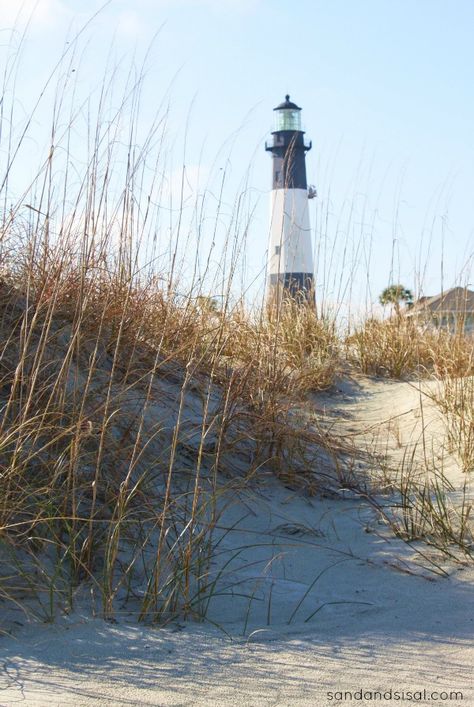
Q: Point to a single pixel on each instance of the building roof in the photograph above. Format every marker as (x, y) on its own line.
(456, 300)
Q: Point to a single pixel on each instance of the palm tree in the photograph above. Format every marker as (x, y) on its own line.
(394, 295)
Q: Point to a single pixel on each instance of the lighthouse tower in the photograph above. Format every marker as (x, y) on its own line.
(290, 255)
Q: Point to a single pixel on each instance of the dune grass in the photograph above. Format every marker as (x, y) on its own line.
(123, 414)
(399, 348)
(132, 407)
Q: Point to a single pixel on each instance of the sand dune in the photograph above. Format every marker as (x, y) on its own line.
(319, 595)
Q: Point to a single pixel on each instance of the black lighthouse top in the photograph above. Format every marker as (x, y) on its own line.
(287, 105)
(288, 147)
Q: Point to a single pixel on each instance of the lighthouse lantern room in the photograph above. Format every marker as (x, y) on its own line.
(290, 253)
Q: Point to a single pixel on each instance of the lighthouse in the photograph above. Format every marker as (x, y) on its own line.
(290, 271)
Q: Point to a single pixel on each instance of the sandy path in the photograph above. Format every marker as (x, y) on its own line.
(125, 665)
(390, 417)
(341, 605)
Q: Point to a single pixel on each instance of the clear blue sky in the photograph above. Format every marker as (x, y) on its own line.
(387, 92)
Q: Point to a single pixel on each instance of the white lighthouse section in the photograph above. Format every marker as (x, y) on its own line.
(290, 248)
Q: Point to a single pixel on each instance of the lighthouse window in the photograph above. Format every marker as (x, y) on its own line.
(288, 119)
(277, 250)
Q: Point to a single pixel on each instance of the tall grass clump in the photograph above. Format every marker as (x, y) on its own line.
(427, 510)
(455, 397)
(399, 347)
(131, 407)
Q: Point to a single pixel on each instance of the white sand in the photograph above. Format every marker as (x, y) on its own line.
(384, 617)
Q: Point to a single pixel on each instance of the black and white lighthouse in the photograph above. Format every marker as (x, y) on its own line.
(290, 269)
